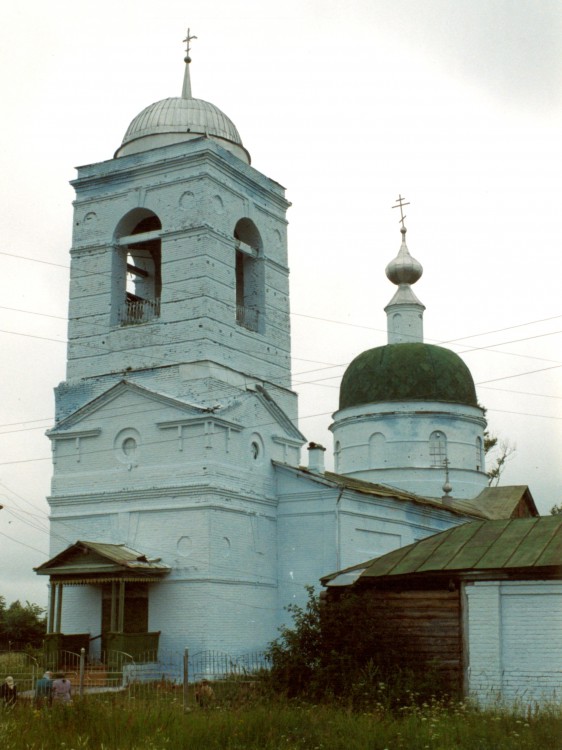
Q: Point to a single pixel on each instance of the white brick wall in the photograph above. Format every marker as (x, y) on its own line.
(403, 458)
(199, 192)
(515, 641)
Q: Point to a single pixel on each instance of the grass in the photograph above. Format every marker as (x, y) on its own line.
(121, 723)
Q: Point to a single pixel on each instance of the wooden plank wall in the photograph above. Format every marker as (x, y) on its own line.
(421, 630)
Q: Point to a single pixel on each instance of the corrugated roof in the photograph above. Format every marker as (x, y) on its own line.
(479, 546)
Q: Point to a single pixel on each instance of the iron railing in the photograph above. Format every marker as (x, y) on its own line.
(136, 311)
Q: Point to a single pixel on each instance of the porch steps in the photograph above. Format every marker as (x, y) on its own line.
(97, 676)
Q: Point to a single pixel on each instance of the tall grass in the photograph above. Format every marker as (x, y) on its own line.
(120, 723)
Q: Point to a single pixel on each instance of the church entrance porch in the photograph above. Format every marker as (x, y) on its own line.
(115, 609)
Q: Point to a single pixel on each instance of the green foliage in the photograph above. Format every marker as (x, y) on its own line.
(116, 722)
(556, 510)
(22, 623)
(333, 651)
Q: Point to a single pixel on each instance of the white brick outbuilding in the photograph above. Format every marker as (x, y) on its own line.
(482, 602)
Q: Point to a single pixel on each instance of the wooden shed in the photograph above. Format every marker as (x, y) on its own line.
(481, 603)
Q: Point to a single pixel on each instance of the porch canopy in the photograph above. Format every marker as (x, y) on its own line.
(98, 563)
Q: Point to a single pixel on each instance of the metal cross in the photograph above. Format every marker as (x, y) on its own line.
(400, 203)
(187, 40)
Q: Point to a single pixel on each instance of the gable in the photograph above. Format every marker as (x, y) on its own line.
(125, 397)
(505, 502)
(96, 561)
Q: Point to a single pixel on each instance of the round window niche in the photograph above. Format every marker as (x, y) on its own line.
(256, 448)
(184, 546)
(129, 446)
(126, 447)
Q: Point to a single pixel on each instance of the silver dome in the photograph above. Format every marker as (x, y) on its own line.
(180, 119)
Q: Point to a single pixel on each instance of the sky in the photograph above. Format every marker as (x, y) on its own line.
(454, 104)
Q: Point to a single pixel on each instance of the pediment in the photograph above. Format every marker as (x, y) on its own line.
(278, 416)
(124, 398)
(84, 562)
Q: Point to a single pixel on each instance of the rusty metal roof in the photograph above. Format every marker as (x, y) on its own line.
(491, 503)
(521, 544)
(505, 501)
(457, 507)
(86, 561)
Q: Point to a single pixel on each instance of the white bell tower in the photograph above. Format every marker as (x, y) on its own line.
(177, 396)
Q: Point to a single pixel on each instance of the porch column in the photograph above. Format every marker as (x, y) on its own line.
(52, 596)
(121, 611)
(59, 609)
(113, 611)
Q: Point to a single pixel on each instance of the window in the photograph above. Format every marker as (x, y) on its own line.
(377, 450)
(138, 276)
(437, 448)
(249, 276)
(479, 455)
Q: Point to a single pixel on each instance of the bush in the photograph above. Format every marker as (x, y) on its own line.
(332, 651)
(23, 624)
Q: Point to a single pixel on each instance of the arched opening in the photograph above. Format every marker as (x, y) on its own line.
(138, 274)
(249, 276)
(337, 456)
(377, 450)
(437, 449)
(479, 455)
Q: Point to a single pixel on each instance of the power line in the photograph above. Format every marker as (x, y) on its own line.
(520, 374)
(18, 541)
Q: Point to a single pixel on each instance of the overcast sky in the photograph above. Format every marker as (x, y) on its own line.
(455, 104)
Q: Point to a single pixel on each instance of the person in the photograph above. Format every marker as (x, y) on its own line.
(204, 693)
(61, 689)
(44, 690)
(9, 692)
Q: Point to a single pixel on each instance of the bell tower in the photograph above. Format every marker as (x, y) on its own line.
(177, 395)
(179, 252)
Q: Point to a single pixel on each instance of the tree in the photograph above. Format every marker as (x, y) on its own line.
(22, 623)
(500, 452)
(556, 510)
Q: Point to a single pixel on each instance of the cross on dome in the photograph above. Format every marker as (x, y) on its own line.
(400, 203)
(186, 90)
(187, 40)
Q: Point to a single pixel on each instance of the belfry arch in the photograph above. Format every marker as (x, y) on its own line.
(137, 268)
(250, 276)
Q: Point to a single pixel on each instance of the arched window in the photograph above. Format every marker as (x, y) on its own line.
(377, 450)
(479, 455)
(337, 454)
(137, 274)
(437, 448)
(249, 276)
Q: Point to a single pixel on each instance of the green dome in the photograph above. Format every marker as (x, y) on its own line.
(407, 372)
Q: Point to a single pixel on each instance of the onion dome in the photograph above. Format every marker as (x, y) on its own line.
(407, 372)
(404, 269)
(179, 119)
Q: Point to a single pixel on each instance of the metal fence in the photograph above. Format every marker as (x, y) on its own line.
(23, 667)
(171, 676)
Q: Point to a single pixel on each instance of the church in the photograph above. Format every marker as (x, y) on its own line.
(176, 447)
